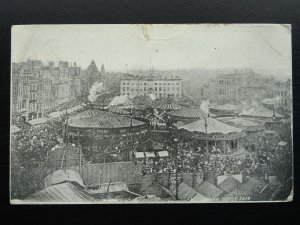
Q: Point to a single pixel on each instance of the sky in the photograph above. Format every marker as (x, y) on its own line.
(262, 47)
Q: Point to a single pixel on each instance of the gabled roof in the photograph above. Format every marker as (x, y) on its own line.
(60, 176)
(213, 126)
(209, 190)
(185, 192)
(229, 184)
(62, 193)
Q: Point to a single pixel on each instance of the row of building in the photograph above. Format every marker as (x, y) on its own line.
(39, 89)
(238, 87)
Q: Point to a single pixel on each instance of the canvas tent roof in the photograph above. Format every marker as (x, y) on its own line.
(163, 154)
(262, 112)
(105, 121)
(37, 121)
(150, 154)
(55, 114)
(209, 190)
(227, 107)
(169, 107)
(14, 129)
(63, 193)
(190, 112)
(213, 126)
(139, 155)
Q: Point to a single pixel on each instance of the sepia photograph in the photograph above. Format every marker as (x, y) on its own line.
(151, 113)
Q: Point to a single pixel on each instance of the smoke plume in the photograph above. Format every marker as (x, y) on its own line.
(152, 96)
(119, 100)
(95, 90)
(204, 106)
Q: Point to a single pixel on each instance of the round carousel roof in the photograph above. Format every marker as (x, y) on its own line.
(118, 110)
(105, 121)
(213, 126)
(88, 113)
(190, 112)
(261, 112)
(242, 123)
(169, 106)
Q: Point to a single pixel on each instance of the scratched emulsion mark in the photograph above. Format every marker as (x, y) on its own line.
(169, 32)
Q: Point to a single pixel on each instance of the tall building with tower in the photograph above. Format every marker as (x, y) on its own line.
(93, 74)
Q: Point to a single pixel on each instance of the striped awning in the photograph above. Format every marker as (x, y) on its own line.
(169, 107)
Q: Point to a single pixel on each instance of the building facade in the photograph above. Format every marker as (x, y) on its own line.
(160, 86)
(236, 87)
(39, 89)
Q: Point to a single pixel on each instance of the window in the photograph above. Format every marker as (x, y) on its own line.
(168, 89)
(144, 89)
(144, 83)
(168, 83)
(155, 88)
(123, 88)
(173, 88)
(159, 88)
(164, 83)
(155, 83)
(127, 88)
(160, 95)
(177, 83)
(123, 83)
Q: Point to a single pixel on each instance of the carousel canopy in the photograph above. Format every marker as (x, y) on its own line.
(242, 123)
(152, 117)
(88, 113)
(105, 121)
(261, 111)
(190, 112)
(213, 126)
(168, 104)
(118, 110)
(169, 107)
(14, 129)
(227, 107)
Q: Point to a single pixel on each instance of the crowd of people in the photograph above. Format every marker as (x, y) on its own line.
(33, 143)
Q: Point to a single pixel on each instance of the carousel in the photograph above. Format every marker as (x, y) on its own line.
(226, 110)
(168, 104)
(104, 133)
(244, 124)
(188, 114)
(215, 137)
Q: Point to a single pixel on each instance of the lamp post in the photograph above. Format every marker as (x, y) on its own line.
(176, 166)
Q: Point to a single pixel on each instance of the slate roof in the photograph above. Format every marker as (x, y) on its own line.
(209, 190)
